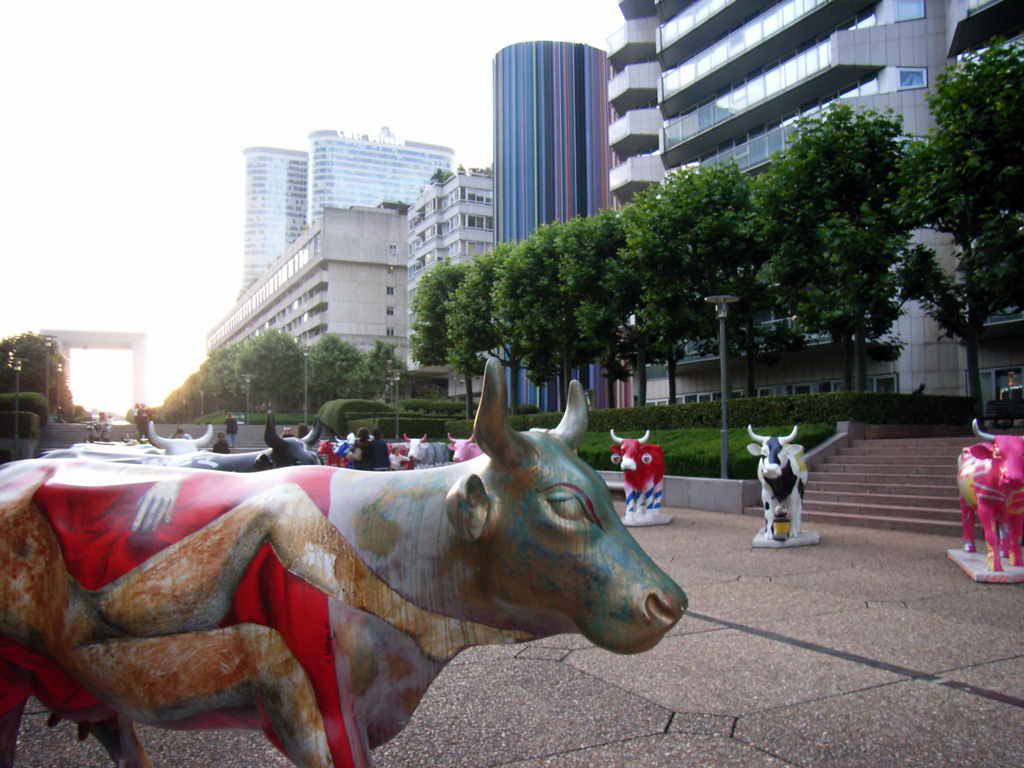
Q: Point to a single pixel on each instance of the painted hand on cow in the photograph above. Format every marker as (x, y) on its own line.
(156, 504)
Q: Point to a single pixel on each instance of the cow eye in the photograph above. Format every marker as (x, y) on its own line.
(616, 459)
(566, 505)
(647, 458)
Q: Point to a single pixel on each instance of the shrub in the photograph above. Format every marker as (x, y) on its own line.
(414, 426)
(335, 414)
(28, 425)
(422, 405)
(27, 401)
(6, 454)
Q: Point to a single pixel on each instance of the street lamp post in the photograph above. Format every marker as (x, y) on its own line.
(248, 378)
(305, 385)
(47, 342)
(396, 375)
(60, 380)
(16, 365)
(722, 303)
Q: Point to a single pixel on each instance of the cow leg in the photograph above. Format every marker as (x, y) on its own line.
(1004, 539)
(655, 508)
(967, 523)
(796, 508)
(631, 499)
(9, 725)
(769, 516)
(1016, 527)
(122, 742)
(987, 513)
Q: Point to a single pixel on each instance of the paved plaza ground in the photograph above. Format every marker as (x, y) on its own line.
(872, 649)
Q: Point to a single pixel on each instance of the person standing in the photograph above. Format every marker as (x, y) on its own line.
(230, 428)
(142, 421)
(221, 446)
(380, 455)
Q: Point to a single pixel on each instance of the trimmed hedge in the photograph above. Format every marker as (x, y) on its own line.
(27, 401)
(414, 426)
(829, 408)
(441, 407)
(28, 425)
(6, 454)
(335, 414)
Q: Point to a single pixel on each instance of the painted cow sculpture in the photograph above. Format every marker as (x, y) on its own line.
(643, 472)
(424, 454)
(463, 449)
(316, 603)
(783, 476)
(281, 452)
(176, 446)
(329, 451)
(991, 480)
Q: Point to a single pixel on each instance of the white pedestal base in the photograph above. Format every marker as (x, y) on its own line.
(975, 565)
(805, 539)
(642, 520)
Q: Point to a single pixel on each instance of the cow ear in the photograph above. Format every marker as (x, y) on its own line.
(981, 450)
(468, 505)
(754, 448)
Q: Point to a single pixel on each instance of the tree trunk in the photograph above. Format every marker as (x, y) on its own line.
(973, 371)
(641, 373)
(564, 379)
(848, 363)
(469, 395)
(749, 354)
(513, 391)
(609, 384)
(672, 365)
(860, 354)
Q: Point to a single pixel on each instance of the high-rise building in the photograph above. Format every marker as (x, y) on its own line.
(275, 206)
(707, 81)
(551, 154)
(358, 169)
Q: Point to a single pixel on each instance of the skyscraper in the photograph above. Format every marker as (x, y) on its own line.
(551, 153)
(275, 206)
(358, 169)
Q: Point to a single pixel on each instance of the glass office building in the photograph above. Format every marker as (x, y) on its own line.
(275, 206)
(359, 169)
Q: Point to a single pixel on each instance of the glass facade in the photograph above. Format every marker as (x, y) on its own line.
(357, 169)
(275, 206)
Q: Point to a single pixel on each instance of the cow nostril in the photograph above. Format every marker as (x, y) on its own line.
(661, 610)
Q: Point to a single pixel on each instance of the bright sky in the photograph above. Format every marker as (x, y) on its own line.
(124, 123)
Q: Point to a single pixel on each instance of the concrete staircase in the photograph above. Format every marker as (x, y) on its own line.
(905, 484)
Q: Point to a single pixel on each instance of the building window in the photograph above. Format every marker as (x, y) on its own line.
(913, 78)
(909, 9)
(390, 332)
(390, 311)
(390, 291)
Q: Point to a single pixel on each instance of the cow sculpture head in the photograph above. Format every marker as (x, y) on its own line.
(178, 446)
(1006, 454)
(567, 561)
(774, 452)
(289, 451)
(631, 453)
(463, 449)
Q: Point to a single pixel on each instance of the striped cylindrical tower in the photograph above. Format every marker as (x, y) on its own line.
(551, 154)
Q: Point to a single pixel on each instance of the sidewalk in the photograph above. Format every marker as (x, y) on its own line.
(872, 649)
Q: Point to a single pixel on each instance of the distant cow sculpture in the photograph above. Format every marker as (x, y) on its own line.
(991, 480)
(424, 454)
(315, 603)
(463, 449)
(176, 446)
(643, 473)
(783, 477)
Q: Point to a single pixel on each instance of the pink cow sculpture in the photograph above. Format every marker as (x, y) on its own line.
(643, 470)
(463, 449)
(991, 480)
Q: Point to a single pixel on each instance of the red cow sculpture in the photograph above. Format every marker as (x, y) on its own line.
(331, 458)
(463, 449)
(991, 480)
(315, 603)
(643, 471)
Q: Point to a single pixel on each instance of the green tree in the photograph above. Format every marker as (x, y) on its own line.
(828, 208)
(967, 181)
(335, 368)
(379, 364)
(274, 359)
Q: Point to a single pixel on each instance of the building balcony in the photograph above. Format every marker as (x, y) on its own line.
(686, 27)
(633, 42)
(635, 175)
(635, 9)
(768, 37)
(779, 92)
(636, 86)
(636, 133)
(970, 24)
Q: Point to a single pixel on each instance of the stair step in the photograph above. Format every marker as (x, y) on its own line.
(897, 458)
(882, 499)
(937, 490)
(910, 525)
(888, 470)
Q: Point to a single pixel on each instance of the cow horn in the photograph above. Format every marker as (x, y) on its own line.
(979, 433)
(314, 434)
(790, 437)
(270, 436)
(616, 438)
(155, 439)
(750, 431)
(406, 437)
(573, 425)
(645, 438)
(206, 439)
(494, 434)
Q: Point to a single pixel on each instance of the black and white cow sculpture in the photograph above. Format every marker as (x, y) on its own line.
(783, 477)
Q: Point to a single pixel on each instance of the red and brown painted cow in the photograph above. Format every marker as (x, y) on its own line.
(315, 603)
(991, 480)
(643, 472)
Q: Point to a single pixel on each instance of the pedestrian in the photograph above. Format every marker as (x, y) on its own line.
(142, 421)
(380, 454)
(362, 448)
(230, 428)
(221, 446)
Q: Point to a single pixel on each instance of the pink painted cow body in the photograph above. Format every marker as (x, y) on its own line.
(643, 470)
(463, 449)
(991, 480)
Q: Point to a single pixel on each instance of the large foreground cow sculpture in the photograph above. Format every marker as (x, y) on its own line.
(783, 476)
(313, 602)
(991, 480)
(643, 474)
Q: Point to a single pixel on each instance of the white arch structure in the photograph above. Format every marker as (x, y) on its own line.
(134, 342)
